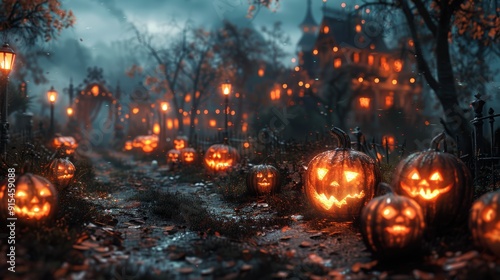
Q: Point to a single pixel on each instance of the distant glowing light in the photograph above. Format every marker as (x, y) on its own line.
(297, 68)
(394, 82)
(360, 79)
(343, 5)
(376, 80)
(412, 80)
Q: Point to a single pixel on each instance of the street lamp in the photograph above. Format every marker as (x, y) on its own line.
(163, 123)
(52, 96)
(226, 90)
(7, 57)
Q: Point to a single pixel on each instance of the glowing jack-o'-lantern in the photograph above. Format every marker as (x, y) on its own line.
(220, 157)
(67, 143)
(35, 198)
(188, 155)
(438, 181)
(180, 142)
(173, 156)
(62, 170)
(340, 182)
(263, 179)
(484, 222)
(147, 142)
(128, 145)
(392, 225)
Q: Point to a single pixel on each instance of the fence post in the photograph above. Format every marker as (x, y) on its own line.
(477, 104)
(491, 113)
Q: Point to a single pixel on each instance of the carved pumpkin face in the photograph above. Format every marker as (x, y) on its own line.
(180, 142)
(340, 182)
(188, 155)
(263, 179)
(392, 225)
(62, 170)
(484, 222)
(128, 145)
(173, 156)
(439, 182)
(36, 198)
(67, 143)
(220, 157)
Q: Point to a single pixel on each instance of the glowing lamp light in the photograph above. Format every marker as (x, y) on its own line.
(364, 102)
(69, 111)
(7, 58)
(52, 95)
(156, 128)
(412, 80)
(135, 111)
(226, 88)
(164, 106)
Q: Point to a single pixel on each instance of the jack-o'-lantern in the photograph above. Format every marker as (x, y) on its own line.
(128, 145)
(220, 157)
(66, 143)
(188, 155)
(35, 198)
(147, 142)
(440, 182)
(392, 225)
(484, 222)
(340, 182)
(180, 142)
(173, 156)
(263, 179)
(62, 170)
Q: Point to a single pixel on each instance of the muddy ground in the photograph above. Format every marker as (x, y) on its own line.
(143, 239)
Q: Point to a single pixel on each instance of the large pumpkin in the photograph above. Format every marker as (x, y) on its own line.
(341, 181)
(440, 182)
(484, 222)
(220, 157)
(35, 198)
(392, 225)
(62, 170)
(263, 179)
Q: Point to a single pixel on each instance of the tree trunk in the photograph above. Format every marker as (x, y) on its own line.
(455, 122)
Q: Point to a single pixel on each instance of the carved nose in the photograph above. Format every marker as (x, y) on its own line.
(423, 183)
(400, 219)
(35, 200)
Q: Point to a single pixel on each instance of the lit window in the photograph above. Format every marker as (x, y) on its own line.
(337, 62)
(370, 59)
(326, 29)
(358, 28)
(364, 102)
(389, 101)
(389, 141)
(355, 57)
(397, 65)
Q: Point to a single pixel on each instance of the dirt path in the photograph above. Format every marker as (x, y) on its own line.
(137, 244)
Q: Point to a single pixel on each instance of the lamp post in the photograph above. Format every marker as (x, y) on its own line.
(163, 122)
(7, 57)
(52, 96)
(226, 90)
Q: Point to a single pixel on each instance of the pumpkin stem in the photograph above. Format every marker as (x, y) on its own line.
(342, 137)
(438, 139)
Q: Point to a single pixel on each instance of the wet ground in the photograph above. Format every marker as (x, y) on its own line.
(137, 244)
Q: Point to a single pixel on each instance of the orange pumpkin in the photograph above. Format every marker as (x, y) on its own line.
(263, 179)
(67, 143)
(484, 222)
(35, 198)
(62, 170)
(392, 226)
(341, 181)
(173, 156)
(188, 155)
(439, 182)
(180, 142)
(220, 157)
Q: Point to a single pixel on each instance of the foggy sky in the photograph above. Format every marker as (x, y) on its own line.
(100, 24)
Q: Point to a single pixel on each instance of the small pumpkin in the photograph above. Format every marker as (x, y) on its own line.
(263, 179)
(188, 155)
(340, 182)
(173, 156)
(62, 170)
(220, 157)
(484, 222)
(35, 198)
(392, 225)
(66, 143)
(439, 182)
(180, 142)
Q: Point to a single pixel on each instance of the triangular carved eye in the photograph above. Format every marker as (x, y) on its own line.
(45, 192)
(436, 176)
(259, 175)
(410, 212)
(270, 175)
(350, 175)
(488, 214)
(414, 175)
(389, 212)
(321, 173)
